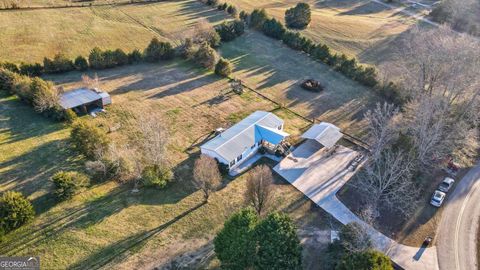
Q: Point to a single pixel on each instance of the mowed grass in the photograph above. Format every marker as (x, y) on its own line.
(358, 28)
(277, 71)
(31, 35)
(107, 225)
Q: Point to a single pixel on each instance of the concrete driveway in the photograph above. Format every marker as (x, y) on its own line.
(319, 177)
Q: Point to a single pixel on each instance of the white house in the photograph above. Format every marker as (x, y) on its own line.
(242, 140)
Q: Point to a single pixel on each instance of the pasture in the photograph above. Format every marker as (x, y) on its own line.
(31, 35)
(109, 225)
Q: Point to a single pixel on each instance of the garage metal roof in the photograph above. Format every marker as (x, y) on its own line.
(77, 97)
(325, 133)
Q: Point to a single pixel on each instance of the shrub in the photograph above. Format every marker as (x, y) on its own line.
(15, 210)
(96, 58)
(69, 116)
(81, 63)
(157, 51)
(244, 16)
(212, 2)
(21, 88)
(299, 16)
(366, 260)
(228, 31)
(206, 56)
(10, 66)
(88, 139)
(59, 64)
(66, 184)
(223, 6)
(134, 57)
(7, 80)
(31, 69)
(232, 10)
(258, 18)
(156, 176)
(120, 57)
(278, 246)
(235, 244)
(273, 28)
(223, 68)
(44, 95)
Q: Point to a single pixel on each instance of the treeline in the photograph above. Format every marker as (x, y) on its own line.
(349, 67)
(40, 94)
(97, 59)
(462, 15)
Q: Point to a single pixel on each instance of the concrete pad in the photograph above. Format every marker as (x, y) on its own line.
(320, 176)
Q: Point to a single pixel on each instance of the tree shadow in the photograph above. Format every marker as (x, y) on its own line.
(19, 121)
(135, 241)
(365, 9)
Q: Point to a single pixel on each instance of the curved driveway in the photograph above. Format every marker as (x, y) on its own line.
(457, 233)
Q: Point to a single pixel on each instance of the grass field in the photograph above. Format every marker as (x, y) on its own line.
(355, 27)
(30, 35)
(109, 225)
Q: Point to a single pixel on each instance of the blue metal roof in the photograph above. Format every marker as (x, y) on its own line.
(241, 136)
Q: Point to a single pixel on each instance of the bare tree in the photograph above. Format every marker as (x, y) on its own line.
(152, 139)
(91, 83)
(382, 127)
(439, 75)
(388, 182)
(204, 32)
(354, 237)
(206, 176)
(259, 193)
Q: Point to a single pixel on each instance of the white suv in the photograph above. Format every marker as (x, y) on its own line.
(437, 198)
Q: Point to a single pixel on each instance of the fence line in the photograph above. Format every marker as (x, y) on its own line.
(349, 137)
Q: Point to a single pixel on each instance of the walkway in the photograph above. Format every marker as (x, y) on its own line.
(309, 170)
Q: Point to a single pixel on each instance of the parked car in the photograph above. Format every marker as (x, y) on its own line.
(446, 184)
(437, 198)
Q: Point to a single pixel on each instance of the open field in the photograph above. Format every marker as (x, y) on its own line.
(354, 27)
(108, 224)
(277, 71)
(30, 35)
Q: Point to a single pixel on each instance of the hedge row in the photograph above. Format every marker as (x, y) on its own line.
(36, 92)
(97, 59)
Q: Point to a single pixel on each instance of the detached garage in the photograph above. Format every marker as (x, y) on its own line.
(84, 100)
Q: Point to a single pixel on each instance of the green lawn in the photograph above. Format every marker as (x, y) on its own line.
(107, 224)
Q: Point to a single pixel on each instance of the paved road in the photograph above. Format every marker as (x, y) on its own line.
(457, 233)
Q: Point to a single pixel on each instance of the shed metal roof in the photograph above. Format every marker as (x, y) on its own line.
(325, 133)
(77, 97)
(241, 136)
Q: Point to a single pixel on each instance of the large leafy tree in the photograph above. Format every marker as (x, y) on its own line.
(365, 260)
(234, 244)
(299, 16)
(278, 244)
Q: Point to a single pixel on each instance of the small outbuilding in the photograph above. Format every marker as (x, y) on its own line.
(236, 144)
(325, 133)
(84, 100)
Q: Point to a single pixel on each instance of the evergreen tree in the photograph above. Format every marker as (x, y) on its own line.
(234, 244)
(258, 18)
(278, 244)
(223, 68)
(299, 16)
(273, 28)
(81, 63)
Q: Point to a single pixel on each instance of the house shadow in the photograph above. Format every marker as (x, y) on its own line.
(116, 250)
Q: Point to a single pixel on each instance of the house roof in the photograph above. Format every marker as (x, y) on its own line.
(241, 136)
(77, 97)
(325, 133)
